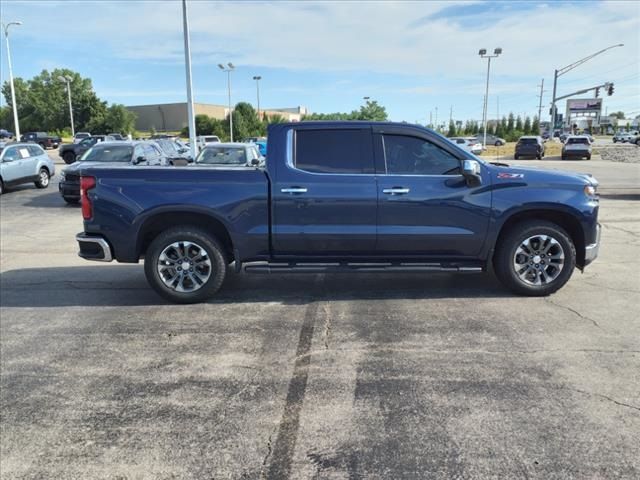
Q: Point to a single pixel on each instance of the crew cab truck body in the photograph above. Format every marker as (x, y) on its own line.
(344, 197)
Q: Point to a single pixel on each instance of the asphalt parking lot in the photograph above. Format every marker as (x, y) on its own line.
(316, 376)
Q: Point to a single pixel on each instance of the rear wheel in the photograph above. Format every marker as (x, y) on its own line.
(516, 156)
(71, 200)
(1, 187)
(69, 157)
(535, 258)
(43, 178)
(539, 156)
(185, 265)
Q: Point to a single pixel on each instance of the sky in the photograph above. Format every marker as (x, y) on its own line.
(416, 58)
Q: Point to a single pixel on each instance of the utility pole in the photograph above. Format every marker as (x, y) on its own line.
(67, 80)
(257, 78)
(436, 118)
(229, 68)
(187, 61)
(451, 114)
(540, 104)
(430, 119)
(16, 124)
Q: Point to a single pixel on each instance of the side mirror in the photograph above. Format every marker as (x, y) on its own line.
(472, 172)
(140, 159)
(255, 162)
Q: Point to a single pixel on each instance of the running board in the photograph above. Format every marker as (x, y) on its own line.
(358, 267)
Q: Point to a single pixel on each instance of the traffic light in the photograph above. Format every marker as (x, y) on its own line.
(610, 89)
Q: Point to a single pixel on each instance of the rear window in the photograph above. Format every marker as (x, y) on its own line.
(333, 151)
(211, 139)
(528, 141)
(222, 156)
(115, 153)
(573, 141)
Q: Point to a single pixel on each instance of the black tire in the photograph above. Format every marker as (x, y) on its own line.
(516, 156)
(498, 143)
(43, 146)
(69, 157)
(563, 157)
(214, 252)
(43, 180)
(588, 157)
(614, 140)
(1, 187)
(539, 156)
(503, 259)
(70, 200)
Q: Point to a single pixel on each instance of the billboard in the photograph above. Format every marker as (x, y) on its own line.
(584, 112)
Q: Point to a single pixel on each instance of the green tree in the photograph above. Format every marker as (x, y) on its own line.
(452, 129)
(510, 123)
(116, 119)
(519, 124)
(372, 111)
(619, 115)
(535, 126)
(527, 126)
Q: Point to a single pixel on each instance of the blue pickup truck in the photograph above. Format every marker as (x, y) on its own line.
(342, 197)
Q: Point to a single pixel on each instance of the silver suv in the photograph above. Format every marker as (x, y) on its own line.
(24, 163)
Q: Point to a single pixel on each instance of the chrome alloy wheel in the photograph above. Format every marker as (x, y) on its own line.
(44, 178)
(538, 260)
(184, 266)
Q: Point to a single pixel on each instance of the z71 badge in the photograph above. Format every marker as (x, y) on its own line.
(510, 175)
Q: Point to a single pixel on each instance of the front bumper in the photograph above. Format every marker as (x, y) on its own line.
(591, 251)
(69, 189)
(93, 247)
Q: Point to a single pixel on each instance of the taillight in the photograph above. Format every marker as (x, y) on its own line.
(86, 184)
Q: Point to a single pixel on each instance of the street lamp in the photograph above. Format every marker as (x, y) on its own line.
(366, 99)
(562, 71)
(5, 27)
(257, 78)
(229, 68)
(483, 54)
(67, 80)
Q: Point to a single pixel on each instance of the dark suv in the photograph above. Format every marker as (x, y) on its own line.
(70, 152)
(529, 147)
(42, 139)
(115, 153)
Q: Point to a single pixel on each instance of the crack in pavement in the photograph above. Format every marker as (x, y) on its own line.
(265, 461)
(591, 394)
(630, 232)
(574, 312)
(327, 325)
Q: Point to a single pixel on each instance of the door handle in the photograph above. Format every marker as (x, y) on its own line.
(293, 190)
(396, 191)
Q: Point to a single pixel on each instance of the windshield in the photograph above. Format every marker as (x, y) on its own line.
(168, 146)
(528, 141)
(574, 141)
(111, 153)
(223, 156)
(82, 135)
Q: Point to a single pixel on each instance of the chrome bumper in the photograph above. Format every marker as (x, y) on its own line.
(93, 248)
(591, 251)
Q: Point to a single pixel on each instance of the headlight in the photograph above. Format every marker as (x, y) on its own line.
(590, 190)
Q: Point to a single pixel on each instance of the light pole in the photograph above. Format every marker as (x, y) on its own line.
(483, 54)
(561, 71)
(229, 68)
(13, 90)
(67, 80)
(257, 78)
(187, 64)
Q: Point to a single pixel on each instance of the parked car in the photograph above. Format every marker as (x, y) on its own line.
(342, 196)
(118, 136)
(24, 163)
(204, 140)
(623, 137)
(491, 140)
(230, 154)
(470, 144)
(79, 136)
(260, 142)
(529, 146)
(70, 152)
(108, 153)
(577, 146)
(42, 139)
(5, 134)
(176, 152)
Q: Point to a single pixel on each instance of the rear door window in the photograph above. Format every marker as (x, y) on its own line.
(334, 151)
(35, 150)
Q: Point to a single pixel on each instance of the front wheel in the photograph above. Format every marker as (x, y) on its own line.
(43, 179)
(69, 158)
(71, 200)
(185, 265)
(535, 258)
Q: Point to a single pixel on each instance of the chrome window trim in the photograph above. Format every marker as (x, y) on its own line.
(289, 155)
